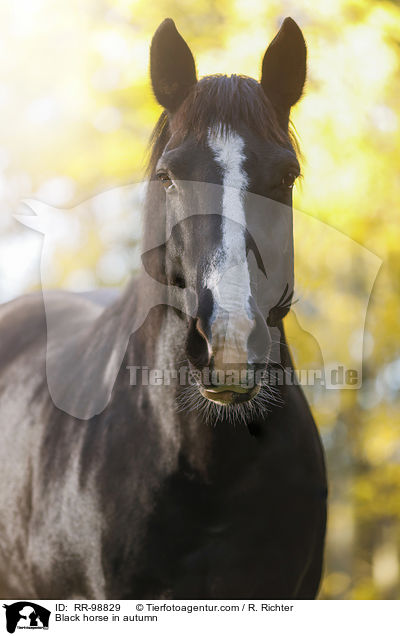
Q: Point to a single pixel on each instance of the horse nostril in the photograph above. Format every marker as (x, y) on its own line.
(178, 280)
(197, 346)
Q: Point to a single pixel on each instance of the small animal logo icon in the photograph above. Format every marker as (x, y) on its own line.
(25, 615)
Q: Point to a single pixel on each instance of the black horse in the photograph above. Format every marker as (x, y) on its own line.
(198, 488)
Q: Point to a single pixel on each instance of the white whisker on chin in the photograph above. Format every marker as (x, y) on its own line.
(191, 399)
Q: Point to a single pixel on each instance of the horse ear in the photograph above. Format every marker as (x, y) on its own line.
(284, 69)
(172, 67)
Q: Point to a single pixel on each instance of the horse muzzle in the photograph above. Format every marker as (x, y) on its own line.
(224, 359)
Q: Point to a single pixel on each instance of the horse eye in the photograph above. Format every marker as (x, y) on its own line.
(166, 181)
(288, 180)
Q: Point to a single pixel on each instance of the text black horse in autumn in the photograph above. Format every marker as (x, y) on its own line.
(209, 488)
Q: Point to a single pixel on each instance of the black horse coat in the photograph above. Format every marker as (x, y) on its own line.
(146, 499)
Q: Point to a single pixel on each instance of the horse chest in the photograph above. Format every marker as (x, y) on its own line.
(203, 539)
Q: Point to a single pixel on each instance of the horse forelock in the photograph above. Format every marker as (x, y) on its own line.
(226, 102)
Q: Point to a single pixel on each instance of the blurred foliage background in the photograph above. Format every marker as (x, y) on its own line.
(76, 113)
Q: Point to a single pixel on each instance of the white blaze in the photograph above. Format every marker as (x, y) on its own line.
(232, 290)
